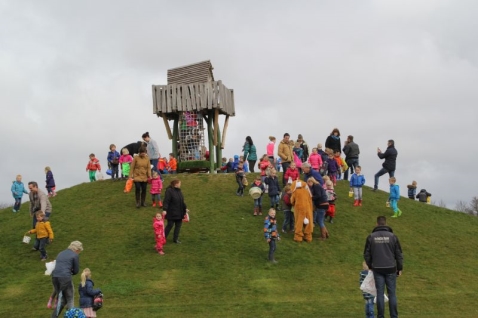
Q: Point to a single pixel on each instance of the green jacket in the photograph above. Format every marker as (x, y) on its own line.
(249, 152)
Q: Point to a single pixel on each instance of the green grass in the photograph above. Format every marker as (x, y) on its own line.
(220, 270)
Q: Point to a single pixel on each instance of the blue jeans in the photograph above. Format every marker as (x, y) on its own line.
(258, 202)
(380, 173)
(369, 308)
(319, 217)
(390, 280)
(156, 197)
(18, 202)
(40, 245)
(288, 220)
(274, 200)
(352, 163)
(114, 171)
(272, 249)
(154, 162)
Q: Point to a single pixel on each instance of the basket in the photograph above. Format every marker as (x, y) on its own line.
(255, 192)
(26, 239)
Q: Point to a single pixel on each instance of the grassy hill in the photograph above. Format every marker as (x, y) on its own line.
(220, 270)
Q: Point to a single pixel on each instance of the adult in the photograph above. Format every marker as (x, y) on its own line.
(301, 199)
(333, 141)
(174, 208)
(285, 152)
(351, 151)
(140, 172)
(305, 148)
(321, 204)
(383, 255)
(153, 150)
(389, 165)
(133, 148)
(250, 153)
(38, 202)
(67, 264)
(311, 173)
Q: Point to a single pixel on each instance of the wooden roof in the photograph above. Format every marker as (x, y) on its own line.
(194, 73)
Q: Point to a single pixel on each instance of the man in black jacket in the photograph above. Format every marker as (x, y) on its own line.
(383, 255)
(351, 151)
(389, 165)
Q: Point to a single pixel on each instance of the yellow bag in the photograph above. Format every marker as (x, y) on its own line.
(244, 181)
(344, 165)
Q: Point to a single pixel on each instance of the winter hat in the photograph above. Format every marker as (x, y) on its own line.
(236, 157)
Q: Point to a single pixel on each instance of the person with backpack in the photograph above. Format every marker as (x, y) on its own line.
(87, 293)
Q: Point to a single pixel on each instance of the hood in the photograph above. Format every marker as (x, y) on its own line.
(236, 157)
(382, 228)
(423, 190)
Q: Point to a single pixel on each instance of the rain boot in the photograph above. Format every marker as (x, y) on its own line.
(356, 202)
(395, 214)
(256, 209)
(399, 212)
(260, 210)
(360, 203)
(143, 198)
(137, 200)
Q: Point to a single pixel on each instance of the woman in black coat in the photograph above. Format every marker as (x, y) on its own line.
(333, 141)
(175, 208)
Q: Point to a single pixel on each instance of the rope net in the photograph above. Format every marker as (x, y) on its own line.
(191, 136)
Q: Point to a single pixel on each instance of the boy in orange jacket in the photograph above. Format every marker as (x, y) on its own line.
(173, 165)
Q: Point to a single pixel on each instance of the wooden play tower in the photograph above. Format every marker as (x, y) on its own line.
(191, 98)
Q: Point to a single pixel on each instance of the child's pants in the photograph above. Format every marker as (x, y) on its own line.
(357, 193)
(92, 174)
(369, 308)
(50, 190)
(272, 249)
(258, 202)
(114, 171)
(333, 177)
(40, 245)
(394, 206)
(156, 197)
(288, 220)
(274, 200)
(331, 210)
(18, 203)
(240, 189)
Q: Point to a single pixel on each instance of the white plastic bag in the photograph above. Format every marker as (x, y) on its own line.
(26, 239)
(99, 176)
(50, 266)
(368, 284)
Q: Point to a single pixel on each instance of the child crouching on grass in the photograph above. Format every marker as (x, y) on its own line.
(271, 234)
(369, 307)
(158, 226)
(44, 234)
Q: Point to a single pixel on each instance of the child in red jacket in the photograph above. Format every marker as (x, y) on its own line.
(158, 226)
(93, 166)
(292, 172)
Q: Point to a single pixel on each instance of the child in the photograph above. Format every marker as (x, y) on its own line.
(332, 169)
(424, 196)
(163, 165)
(235, 163)
(173, 164)
(292, 172)
(369, 308)
(288, 214)
(325, 178)
(298, 150)
(87, 293)
(223, 164)
(44, 234)
(18, 189)
(338, 159)
(322, 153)
(239, 179)
(270, 149)
(50, 182)
(274, 188)
(53, 300)
(229, 167)
(278, 164)
(113, 161)
(270, 233)
(315, 160)
(394, 197)
(245, 164)
(258, 202)
(125, 161)
(331, 197)
(155, 190)
(93, 166)
(158, 226)
(412, 190)
(356, 182)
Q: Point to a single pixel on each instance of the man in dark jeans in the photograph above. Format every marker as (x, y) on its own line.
(351, 151)
(389, 165)
(383, 255)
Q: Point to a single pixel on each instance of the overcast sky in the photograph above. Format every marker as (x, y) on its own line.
(77, 76)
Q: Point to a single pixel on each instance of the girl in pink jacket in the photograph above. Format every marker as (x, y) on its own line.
(155, 190)
(158, 226)
(270, 149)
(315, 160)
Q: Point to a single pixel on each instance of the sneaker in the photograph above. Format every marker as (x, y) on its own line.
(34, 249)
(284, 231)
(399, 212)
(43, 259)
(49, 305)
(161, 253)
(177, 242)
(160, 204)
(14, 211)
(331, 221)
(374, 189)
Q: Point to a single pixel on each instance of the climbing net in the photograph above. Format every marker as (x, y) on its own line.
(191, 136)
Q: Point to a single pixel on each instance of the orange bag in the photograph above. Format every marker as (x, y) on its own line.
(128, 186)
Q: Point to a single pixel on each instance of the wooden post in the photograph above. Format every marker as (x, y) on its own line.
(218, 148)
(216, 125)
(175, 137)
(226, 122)
(210, 137)
(166, 124)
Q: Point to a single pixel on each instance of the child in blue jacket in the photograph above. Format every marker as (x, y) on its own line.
(356, 182)
(394, 197)
(18, 189)
(271, 234)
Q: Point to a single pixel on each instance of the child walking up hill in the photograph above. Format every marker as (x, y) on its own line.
(394, 197)
(93, 166)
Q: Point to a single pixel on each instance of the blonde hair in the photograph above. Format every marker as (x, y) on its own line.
(39, 213)
(84, 275)
(393, 179)
(19, 176)
(258, 178)
(312, 179)
(297, 144)
(47, 168)
(76, 246)
(125, 151)
(329, 185)
(287, 188)
(325, 178)
(414, 183)
(155, 174)
(272, 138)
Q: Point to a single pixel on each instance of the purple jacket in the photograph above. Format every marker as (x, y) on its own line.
(50, 182)
(332, 165)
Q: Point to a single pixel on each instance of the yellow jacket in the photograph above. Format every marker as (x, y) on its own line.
(42, 229)
(140, 169)
(285, 151)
